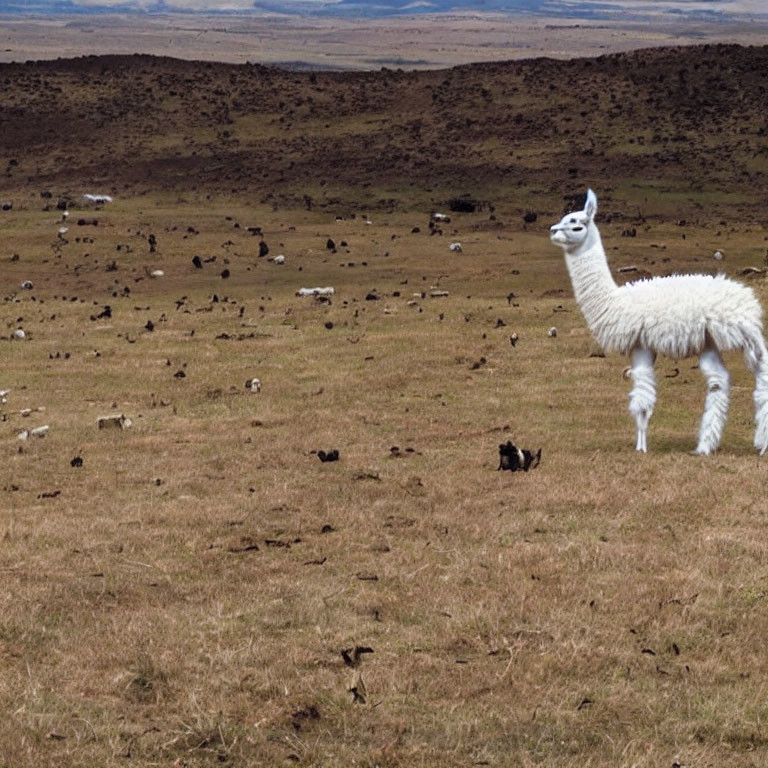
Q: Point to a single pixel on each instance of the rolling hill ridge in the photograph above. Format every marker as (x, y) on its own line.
(690, 121)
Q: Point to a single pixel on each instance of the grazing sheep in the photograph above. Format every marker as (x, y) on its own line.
(678, 316)
(315, 291)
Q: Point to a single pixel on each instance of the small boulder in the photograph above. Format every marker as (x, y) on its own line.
(114, 421)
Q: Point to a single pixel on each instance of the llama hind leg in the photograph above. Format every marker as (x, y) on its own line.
(757, 361)
(716, 404)
(642, 398)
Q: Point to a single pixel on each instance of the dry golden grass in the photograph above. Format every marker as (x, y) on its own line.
(183, 598)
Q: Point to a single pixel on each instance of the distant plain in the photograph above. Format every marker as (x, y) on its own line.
(409, 42)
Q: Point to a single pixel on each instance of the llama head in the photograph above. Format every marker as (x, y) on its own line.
(574, 229)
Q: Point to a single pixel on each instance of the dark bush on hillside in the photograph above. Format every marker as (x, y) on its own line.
(464, 204)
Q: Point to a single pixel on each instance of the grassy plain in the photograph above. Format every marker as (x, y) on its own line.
(184, 597)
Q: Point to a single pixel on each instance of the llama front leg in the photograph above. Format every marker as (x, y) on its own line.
(716, 404)
(642, 398)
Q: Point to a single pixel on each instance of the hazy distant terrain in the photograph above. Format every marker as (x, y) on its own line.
(325, 42)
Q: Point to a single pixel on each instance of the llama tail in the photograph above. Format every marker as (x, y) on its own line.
(756, 358)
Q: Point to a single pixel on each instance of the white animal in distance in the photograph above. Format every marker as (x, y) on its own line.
(678, 316)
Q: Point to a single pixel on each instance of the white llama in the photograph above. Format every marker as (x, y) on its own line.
(678, 316)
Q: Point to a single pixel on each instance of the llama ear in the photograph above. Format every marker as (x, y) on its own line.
(590, 207)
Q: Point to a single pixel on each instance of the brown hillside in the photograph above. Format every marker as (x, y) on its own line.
(692, 119)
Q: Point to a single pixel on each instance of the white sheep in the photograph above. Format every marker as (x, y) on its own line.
(678, 316)
(328, 291)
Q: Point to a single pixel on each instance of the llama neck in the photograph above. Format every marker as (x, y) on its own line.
(593, 284)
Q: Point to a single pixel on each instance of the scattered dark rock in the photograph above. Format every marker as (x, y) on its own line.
(396, 453)
(329, 456)
(105, 313)
(366, 576)
(352, 656)
(464, 204)
(247, 544)
(279, 543)
(301, 717)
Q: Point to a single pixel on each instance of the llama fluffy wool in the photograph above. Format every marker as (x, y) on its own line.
(673, 315)
(678, 316)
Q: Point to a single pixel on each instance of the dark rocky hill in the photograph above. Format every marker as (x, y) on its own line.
(683, 121)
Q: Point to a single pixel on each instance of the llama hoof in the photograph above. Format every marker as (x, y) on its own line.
(701, 452)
